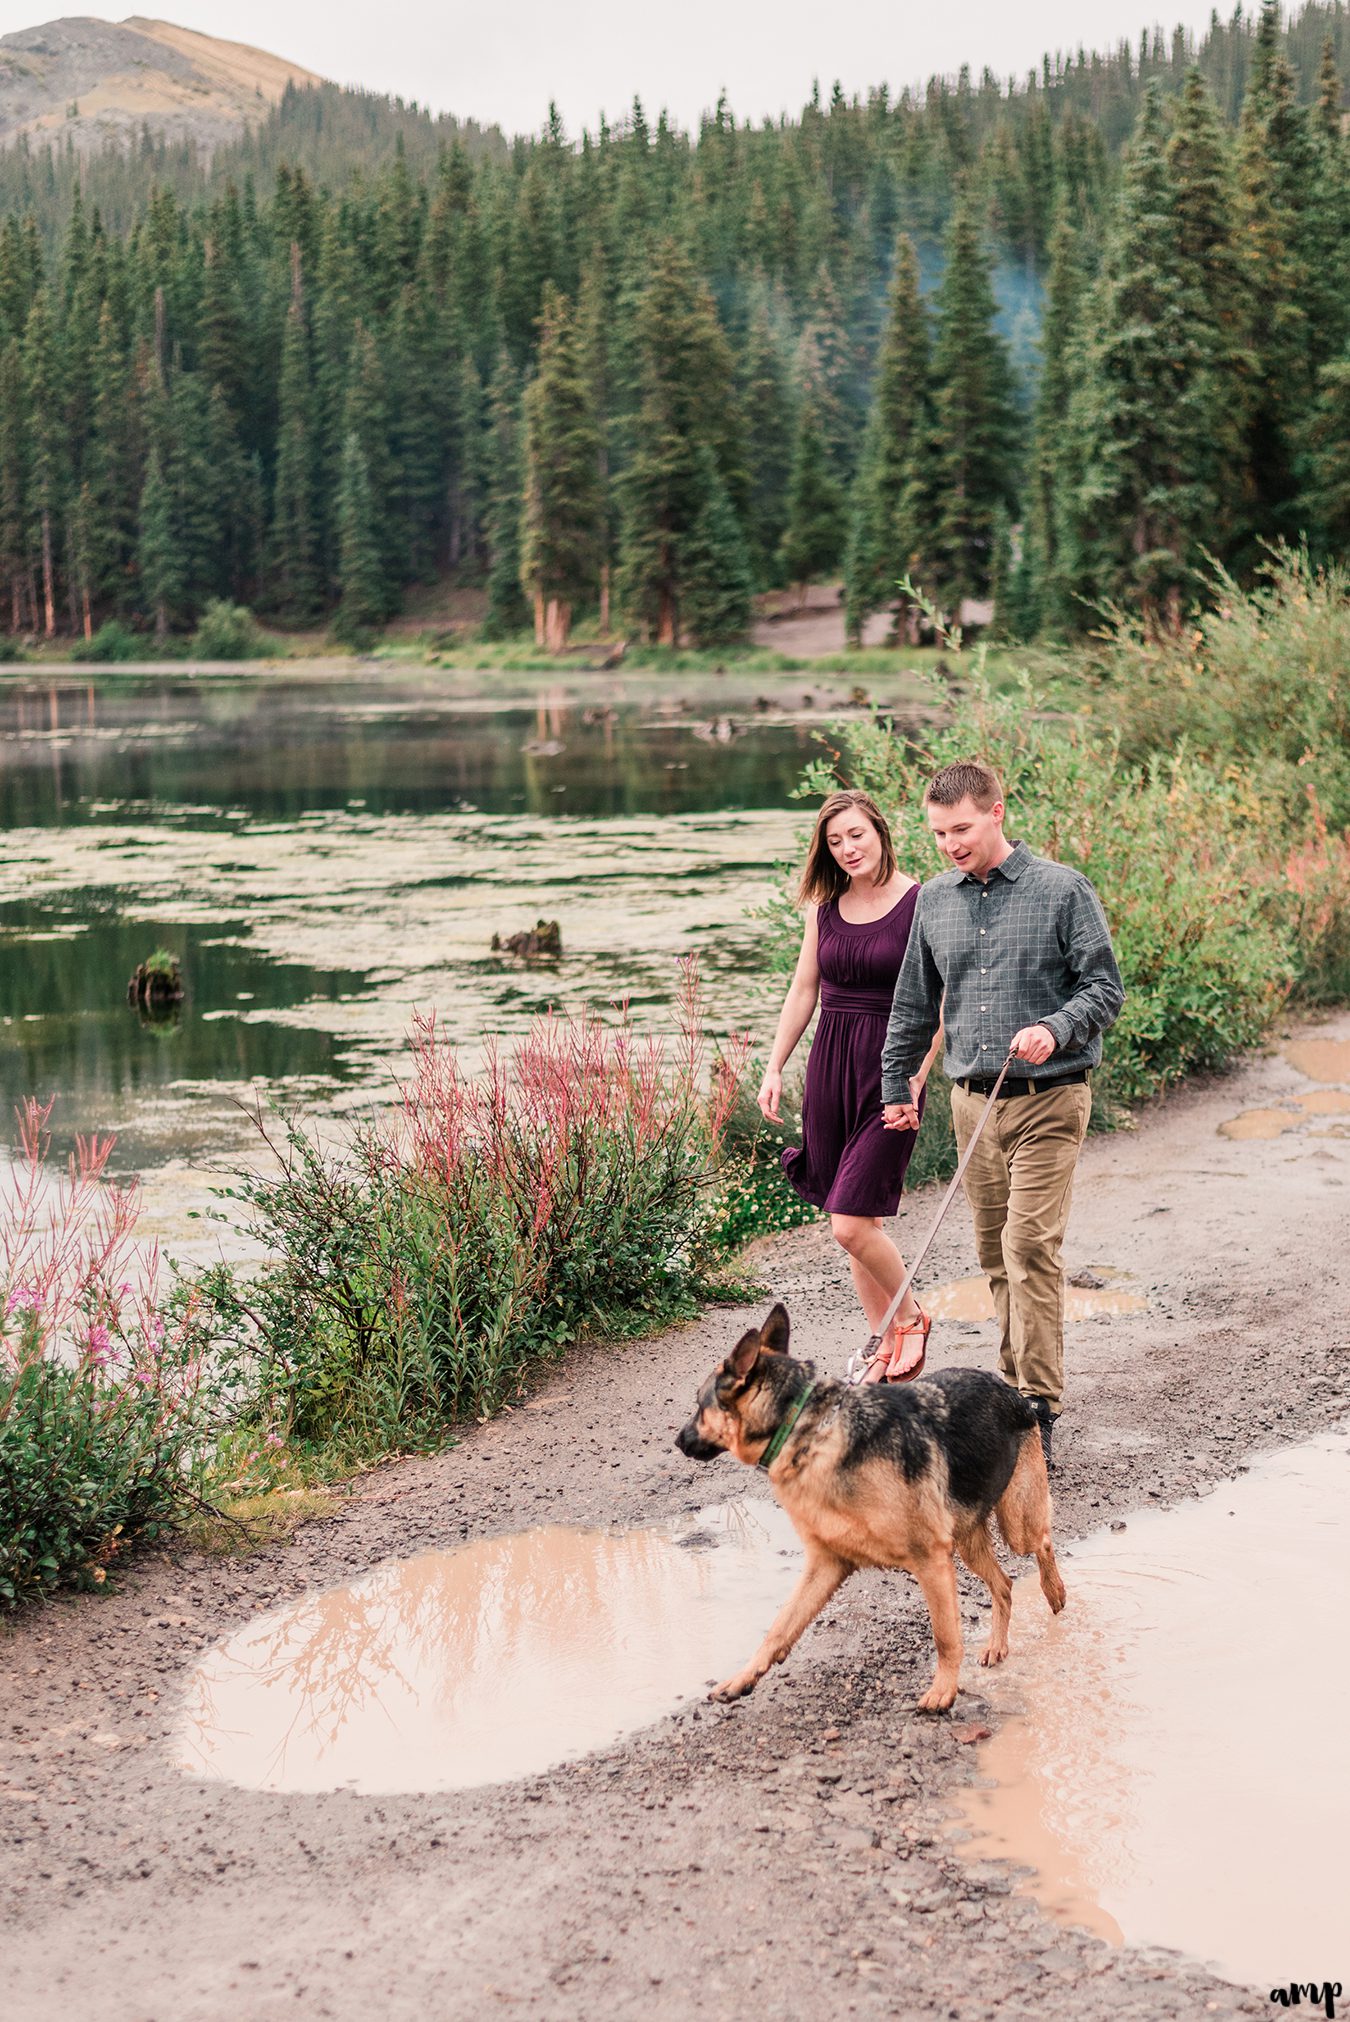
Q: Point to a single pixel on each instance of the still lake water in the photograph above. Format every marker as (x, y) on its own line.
(327, 855)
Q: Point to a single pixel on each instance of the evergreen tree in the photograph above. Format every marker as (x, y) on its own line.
(1270, 163)
(767, 409)
(1204, 194)
(716, 607)
(815, 532)
(562, 530)
(47, 466)
(14, 553)
(1044, 600)
(296, 546)
(1147, 409)
(507, 611)
(892, 500)
(684, 405)
(976, 423)
(364, 598)
(1326, 499)
(159, 555)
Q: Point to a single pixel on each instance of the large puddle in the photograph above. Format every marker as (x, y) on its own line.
(495, 1661)
(1180, 1772)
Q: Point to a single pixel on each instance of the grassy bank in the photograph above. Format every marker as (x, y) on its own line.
(1201, 782)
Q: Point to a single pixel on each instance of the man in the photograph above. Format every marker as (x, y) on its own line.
(1013, 954)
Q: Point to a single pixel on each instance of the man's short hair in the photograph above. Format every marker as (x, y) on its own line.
(969, 780)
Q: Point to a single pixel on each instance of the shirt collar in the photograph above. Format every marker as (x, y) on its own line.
(1011, 868)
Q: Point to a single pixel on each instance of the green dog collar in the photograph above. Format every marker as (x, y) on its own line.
(780, 1438)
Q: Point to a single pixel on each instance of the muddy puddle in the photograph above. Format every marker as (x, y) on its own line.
(495, 1661)
(971, 1299)
(1178, 1767)
(1324, 1060)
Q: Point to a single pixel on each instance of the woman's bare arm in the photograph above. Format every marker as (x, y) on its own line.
(798, 1010)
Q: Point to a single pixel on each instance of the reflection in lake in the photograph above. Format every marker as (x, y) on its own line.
(461, 1668)
(280, 747)
(1178, 1768)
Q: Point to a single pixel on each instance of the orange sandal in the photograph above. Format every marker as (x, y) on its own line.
(923, 1325)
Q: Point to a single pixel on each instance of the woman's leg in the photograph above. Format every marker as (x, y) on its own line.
(878, 1272)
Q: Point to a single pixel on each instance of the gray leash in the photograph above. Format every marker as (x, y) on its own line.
(859, 1359)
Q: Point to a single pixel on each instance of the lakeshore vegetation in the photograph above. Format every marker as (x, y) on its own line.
(1050, 343)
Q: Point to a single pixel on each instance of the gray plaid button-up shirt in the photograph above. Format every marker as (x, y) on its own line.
(1030, 947)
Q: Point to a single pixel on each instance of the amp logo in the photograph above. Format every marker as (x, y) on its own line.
(1323, 1997)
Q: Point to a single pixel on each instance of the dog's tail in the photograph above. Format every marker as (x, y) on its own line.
(1021, 1411)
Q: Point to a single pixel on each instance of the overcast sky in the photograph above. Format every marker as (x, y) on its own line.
(503, 60)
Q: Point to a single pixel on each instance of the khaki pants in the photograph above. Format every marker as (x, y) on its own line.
(1019, 1185)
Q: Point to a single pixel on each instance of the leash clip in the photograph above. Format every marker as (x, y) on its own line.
(859, 1360)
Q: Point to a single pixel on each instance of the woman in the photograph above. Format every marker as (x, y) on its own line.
(859, 907)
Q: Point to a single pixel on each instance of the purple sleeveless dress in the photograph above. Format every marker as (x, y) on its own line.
(848, 1164)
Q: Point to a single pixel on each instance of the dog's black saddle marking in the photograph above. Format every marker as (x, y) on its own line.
(973, 1418)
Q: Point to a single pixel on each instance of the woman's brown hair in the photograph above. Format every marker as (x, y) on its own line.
(822, 878)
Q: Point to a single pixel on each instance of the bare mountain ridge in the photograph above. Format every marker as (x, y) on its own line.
(90, 81)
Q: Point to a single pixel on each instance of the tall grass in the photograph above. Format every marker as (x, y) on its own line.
(417, 1271)
(100, 1403)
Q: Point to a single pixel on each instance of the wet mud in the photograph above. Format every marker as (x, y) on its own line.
(785, 1857)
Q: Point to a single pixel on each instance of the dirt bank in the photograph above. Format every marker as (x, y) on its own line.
(783, 1858)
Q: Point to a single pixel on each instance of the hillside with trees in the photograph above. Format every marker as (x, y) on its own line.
(1061, 341)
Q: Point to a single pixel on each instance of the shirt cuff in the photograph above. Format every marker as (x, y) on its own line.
(1059, 1028)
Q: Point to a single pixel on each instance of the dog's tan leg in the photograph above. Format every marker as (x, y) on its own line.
(977, 1549)
(822, 1577)
(1024, 1517)
(936, 1574)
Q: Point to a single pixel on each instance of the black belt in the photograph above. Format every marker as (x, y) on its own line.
(1022, 1084)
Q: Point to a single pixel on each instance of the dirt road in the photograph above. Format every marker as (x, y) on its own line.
(786, 1857)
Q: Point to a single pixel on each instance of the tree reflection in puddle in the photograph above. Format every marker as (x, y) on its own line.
(455, 1669)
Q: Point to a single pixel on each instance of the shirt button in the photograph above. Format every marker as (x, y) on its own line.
(981, 930)
(984, 1007)
(984, 972)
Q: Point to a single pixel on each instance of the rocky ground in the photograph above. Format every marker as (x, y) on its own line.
(785, 1857)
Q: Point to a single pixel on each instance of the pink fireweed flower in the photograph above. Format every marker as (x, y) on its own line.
(23, 1298)
(99, 1345)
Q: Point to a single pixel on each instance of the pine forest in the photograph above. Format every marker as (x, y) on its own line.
(1065, 343)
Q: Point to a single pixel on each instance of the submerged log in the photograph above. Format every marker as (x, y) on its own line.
(543, 938)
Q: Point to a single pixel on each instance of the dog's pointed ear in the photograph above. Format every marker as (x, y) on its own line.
(775, 1333)
(743, 1357)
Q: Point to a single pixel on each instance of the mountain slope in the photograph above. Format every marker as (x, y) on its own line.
(88, 81)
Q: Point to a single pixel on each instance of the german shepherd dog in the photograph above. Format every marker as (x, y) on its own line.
(883, 1476)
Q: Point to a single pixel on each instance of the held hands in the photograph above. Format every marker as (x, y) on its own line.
(1034, 1043)
(904, 1115)
(771, 1095)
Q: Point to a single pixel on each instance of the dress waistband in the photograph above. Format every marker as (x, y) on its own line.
(834, 997)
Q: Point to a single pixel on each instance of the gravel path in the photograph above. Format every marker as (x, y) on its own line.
(785, 1857)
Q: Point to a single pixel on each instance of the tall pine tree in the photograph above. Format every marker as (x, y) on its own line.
(976, 422)
(562, 536)
(893, 500)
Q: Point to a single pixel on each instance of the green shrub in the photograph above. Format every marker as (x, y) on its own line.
(11, 649)
(228, 632)
(1258, 687)
(112, 642)
(416, 1272)
(101, 1408)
